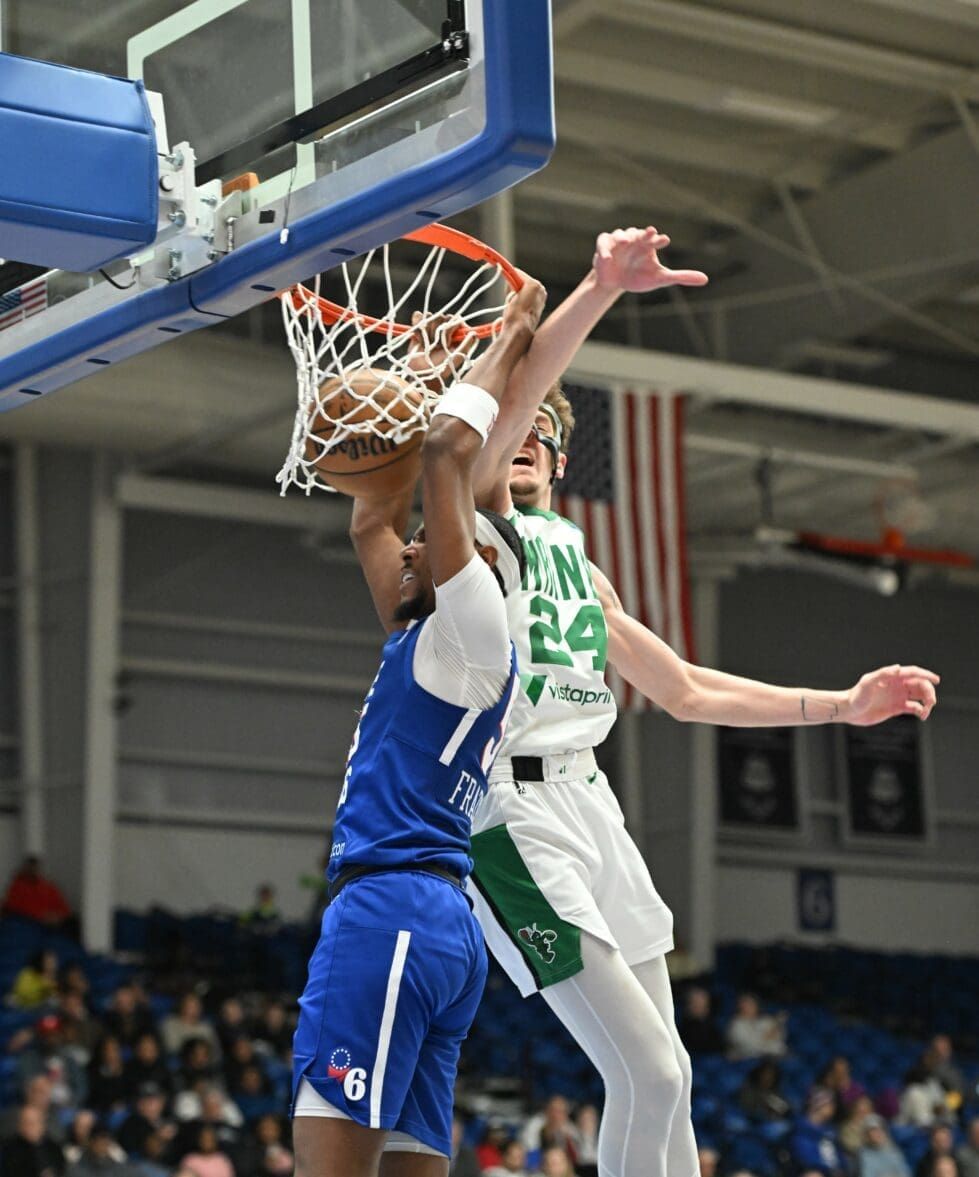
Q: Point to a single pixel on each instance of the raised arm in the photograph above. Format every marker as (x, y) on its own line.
(456, 436)
(698, 694)
(377, 529)
(625, 260)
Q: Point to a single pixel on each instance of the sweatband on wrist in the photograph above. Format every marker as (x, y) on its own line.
(471, 404)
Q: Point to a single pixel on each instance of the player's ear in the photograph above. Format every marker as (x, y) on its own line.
(562, 461)
(488, 553)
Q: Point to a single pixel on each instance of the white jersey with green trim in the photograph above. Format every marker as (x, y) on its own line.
(558, 627)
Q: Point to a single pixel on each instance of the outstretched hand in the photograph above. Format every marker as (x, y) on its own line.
(891, 691)
(627, 259)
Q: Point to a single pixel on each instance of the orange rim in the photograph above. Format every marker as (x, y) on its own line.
(437, 235)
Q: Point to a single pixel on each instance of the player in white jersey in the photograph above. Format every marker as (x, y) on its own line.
(566, 902)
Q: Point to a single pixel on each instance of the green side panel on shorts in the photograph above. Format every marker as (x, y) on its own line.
(550, 945)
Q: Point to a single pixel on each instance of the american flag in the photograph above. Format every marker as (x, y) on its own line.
(29, 299)
(624, 488)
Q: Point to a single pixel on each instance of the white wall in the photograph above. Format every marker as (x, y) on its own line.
(758, 905)
(194, 870)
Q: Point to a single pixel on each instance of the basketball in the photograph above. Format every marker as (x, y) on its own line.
(370, 464)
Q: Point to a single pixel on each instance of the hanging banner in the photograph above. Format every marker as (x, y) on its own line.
(758, 779)
(885, 783)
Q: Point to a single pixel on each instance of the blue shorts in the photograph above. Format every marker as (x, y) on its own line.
(394, 983)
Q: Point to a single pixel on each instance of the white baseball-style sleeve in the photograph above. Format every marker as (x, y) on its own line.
(463, 651)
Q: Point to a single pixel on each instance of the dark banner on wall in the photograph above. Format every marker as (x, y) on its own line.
(757, 778)
(885, 792)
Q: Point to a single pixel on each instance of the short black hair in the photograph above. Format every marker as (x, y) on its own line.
(508, 533)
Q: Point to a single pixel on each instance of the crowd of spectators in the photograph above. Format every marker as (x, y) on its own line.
(839, 1130)
(156, 1080)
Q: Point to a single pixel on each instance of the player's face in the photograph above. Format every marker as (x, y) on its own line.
(417, 587)
(530, 471)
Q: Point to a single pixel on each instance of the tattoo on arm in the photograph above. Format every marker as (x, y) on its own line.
(817, 711)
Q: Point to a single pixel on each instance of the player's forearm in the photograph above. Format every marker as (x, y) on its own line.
(372, 517)
(697, 694)
(554, 347)
(716, 697)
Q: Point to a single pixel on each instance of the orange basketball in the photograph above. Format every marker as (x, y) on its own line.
(366, 465)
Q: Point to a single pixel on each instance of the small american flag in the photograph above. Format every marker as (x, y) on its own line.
(624, 488)
(29, 299)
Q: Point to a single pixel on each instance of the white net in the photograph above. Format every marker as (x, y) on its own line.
(362, 376)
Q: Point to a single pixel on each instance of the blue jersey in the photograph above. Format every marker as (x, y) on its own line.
(416, 770)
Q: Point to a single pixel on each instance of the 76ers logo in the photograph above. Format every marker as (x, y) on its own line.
(354, 1079)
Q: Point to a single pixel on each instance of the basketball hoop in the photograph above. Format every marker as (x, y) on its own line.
(339, 343)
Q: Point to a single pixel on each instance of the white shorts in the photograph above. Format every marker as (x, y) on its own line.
(553, 858)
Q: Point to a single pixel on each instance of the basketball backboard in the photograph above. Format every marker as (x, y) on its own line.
(360, 120)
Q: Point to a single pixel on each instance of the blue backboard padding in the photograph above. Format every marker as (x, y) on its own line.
(78, 166)
(516, 142)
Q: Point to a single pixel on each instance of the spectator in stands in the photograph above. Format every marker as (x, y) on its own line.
(941, 1056)
(108, 1090)
(47, 1054)
(231, 1022)
(196, 1062)
(836, 1078)
(489, 1150)
(37, 1095)
(152, 1161)
(588, 1125)
(853, 1128)
(879, 1156)
(81, 1031)
(128, 1016)
(553, 1128)
(923, 1099)
(945, 1167)
(254, 1093)
(513, 1162)
(555, 1162)
(708, 1159)
(147, 1065)
(79, 1135)
(30, 1152)
(207, 1158)
(37, 982)
(463, 1162)
(264, 916)
(699, 1031)
(275, 1030)
(940, 1144)
(968, 1155)
(759, 1097)
(207, 1106)
(186, 1024)
(146, 1120)
(100, 1157)
(239, 1055)
(264, 1152)
(33, 897)
(813, 1143)
(74, 979)
(751, 1033)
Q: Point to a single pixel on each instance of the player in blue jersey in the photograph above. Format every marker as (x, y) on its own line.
(399, 969)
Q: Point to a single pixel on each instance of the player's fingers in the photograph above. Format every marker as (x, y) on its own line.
(603, 246)
(921, 688)
(688, 277)
(913, 707)
(920, 672)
